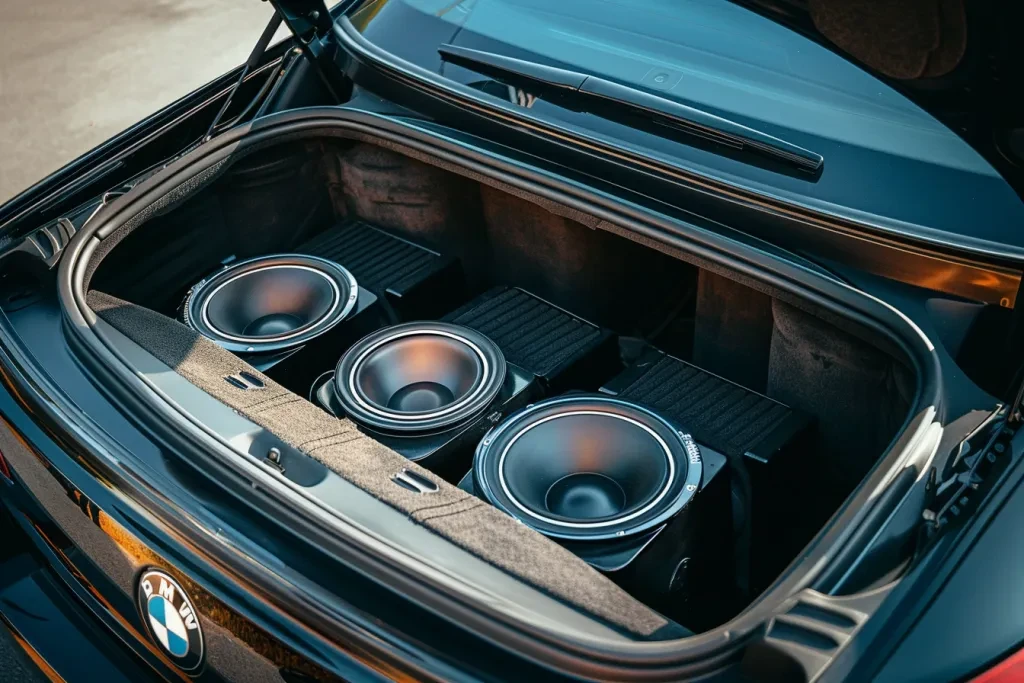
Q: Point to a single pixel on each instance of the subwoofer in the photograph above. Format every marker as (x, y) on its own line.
(272, 303)
(427, 390)
(419, 377)
(588, 467)
(619, 485)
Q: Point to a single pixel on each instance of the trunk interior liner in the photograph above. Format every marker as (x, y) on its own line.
(464, 520)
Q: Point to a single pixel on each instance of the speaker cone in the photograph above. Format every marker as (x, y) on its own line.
(588, 467)
(419, 377)
(271, 303)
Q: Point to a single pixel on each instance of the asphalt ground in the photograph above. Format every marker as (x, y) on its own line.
(73, 74)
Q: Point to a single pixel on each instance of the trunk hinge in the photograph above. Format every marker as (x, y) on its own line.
(981, 456)
(314, 28)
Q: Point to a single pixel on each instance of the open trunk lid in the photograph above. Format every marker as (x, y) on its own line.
(716, 61)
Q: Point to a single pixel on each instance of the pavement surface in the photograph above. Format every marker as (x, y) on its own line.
(73, 74)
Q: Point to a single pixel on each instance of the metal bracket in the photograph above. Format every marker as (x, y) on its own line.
(273, 459)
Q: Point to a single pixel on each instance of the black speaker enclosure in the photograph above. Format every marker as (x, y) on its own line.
(672, 552)
(270, 304)
(419, 377)
(762, 438)
(588, 467)
(563, 350)
(416, 282)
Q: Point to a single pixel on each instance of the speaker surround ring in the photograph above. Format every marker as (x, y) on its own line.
(588, 467)
(554, 519)
(270, 303)
(419, 377)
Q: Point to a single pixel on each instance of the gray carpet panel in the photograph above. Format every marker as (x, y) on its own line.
(531, 333)
(378, 260)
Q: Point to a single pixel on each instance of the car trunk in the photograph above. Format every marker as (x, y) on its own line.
(800, 402)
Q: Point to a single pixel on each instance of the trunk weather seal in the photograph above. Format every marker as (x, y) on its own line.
(557, 651)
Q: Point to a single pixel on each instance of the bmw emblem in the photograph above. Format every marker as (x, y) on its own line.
(171, 618)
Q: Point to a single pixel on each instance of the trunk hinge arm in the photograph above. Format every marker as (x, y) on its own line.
(250, 64)
(315, 31)
(1014, 417)
(979, 459)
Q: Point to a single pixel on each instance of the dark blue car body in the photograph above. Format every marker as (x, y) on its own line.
(91, 497)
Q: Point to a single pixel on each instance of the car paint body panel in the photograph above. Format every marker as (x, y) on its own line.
(90, 533)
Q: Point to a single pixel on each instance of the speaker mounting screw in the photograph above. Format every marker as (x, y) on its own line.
(274, 459)
(620, 533)
(691, 487)
(251, 348)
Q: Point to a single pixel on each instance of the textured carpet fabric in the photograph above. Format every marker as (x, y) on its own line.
(378, 260)
(721, 414)
(531, 333)
(450, 512)
(858, 395)
(952, 39)
(426, 200)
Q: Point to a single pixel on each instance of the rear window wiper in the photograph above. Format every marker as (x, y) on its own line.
(592, 94)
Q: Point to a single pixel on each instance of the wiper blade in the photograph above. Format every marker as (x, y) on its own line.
(589, 93)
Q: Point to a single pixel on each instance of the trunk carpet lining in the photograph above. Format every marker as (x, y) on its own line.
(450, 512)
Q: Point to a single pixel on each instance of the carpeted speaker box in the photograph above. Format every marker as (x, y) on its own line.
(624, 489)
(760, 437)
(538, 343)
(563, 351)
(418, 283)
(266, 309)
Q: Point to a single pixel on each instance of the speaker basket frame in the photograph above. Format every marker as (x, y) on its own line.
(678, 491)
(375, 417)
(345, 294)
